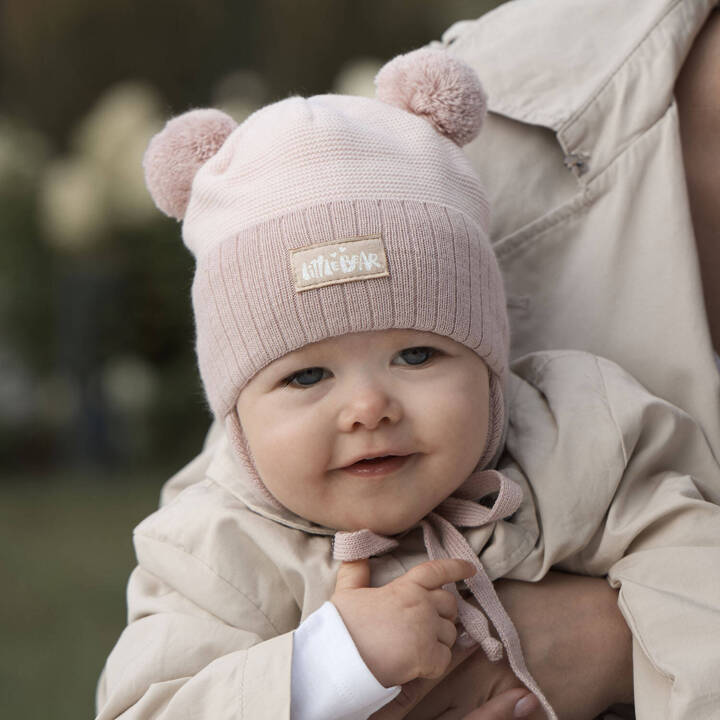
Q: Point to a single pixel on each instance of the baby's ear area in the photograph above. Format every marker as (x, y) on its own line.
(444, 90)
(177, 152)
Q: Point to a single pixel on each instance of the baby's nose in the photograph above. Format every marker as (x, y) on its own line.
(368, 406)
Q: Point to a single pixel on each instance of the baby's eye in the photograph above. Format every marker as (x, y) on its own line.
(305, 378)
(417, 355)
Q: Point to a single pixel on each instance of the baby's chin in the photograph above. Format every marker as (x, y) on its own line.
(383, 526)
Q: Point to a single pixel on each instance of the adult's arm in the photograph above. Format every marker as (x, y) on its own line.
(576, 644)
(696, 92)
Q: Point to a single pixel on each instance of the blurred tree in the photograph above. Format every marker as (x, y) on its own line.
(57, 58)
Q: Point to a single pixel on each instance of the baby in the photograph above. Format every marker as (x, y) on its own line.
(352, 338)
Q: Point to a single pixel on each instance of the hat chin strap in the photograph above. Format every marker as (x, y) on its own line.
(497, 425)
(240, 447)
(443, 540)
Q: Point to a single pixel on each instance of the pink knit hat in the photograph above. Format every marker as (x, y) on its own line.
(333, 214)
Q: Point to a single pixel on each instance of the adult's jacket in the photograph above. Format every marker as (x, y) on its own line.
(582, 160)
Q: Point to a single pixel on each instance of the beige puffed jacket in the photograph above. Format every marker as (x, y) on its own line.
(616, 478)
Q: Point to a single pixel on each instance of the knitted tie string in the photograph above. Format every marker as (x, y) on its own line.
(443, 540)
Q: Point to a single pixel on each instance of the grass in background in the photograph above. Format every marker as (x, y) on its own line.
(66, 554)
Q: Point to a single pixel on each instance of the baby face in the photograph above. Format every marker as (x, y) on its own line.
(312, 416)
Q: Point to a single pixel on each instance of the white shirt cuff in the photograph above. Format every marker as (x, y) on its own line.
(330, 681)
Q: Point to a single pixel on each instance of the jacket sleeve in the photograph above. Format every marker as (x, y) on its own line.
(176, 659)
(660, 546)
(612, 469)
(667, 515)
(667, 488)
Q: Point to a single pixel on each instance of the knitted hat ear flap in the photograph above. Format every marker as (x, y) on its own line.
(434, 85)
(241, 449)
(178, 151)
(497, 425)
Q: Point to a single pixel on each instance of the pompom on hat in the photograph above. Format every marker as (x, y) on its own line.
(178, 152)
(431, 84)
(333, 214)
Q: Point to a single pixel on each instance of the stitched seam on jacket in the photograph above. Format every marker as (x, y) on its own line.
(242, 686)
(519, 239)
(550, 121)
(612, 414)
(625, 62)
(641, 136)
(596, 359)
(498, 105)
(516, 391)
(179, 548)
(536, 371)
(636, 137)
(506, 248)
(639, 132)
(638, 639)
(511, 561)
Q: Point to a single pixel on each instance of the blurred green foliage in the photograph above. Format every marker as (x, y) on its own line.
(66, 553)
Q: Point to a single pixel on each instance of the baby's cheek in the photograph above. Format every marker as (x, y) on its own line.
(462, 412)
(265, 446)
(287, 450)
(467, 426)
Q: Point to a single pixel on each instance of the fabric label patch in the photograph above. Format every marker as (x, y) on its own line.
(338, 261)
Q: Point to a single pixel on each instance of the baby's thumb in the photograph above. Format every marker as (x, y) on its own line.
(351, 575)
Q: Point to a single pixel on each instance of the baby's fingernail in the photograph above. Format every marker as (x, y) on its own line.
(525, 706)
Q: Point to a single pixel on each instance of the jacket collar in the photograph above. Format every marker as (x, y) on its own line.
(577, 67)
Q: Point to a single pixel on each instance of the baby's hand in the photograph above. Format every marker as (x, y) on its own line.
(405, 629)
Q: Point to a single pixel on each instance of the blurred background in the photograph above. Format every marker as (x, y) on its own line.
(100, 399)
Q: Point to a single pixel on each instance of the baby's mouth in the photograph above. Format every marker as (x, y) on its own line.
(375, 461)
(374, 467)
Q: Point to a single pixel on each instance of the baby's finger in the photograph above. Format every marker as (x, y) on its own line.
(439, 661)
(446, 632)
(433, 574)
(445, 603)
(353, 575)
